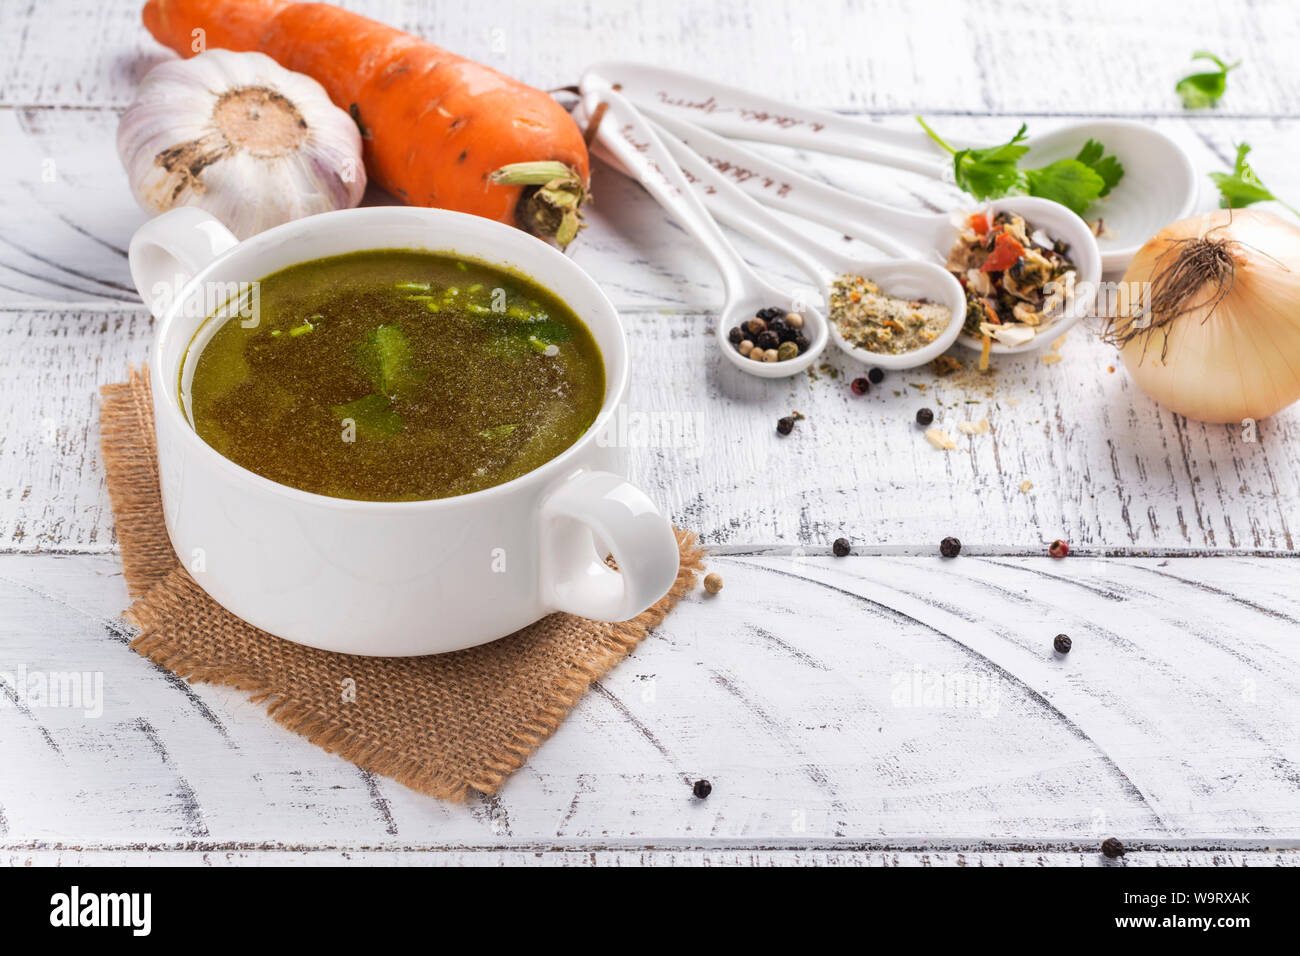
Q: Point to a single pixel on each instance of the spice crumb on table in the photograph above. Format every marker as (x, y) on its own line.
(940, 439)
(946, 365)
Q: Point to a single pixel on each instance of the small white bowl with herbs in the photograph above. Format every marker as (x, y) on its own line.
(905, 314)
(1030, 270)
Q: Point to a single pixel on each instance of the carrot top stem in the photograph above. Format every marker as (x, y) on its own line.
(553, 206)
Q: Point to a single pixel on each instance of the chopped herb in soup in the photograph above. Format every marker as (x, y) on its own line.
(394, 375)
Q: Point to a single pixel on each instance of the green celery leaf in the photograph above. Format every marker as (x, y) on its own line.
(1108, 168)
(1202, 90)
(991, 172)
(1070, 182)
(1243, 187)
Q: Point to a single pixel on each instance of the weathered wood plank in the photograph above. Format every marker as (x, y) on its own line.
(647, 856)
(1110, 469)
(805, 692)
(979, 56)
(72, 215)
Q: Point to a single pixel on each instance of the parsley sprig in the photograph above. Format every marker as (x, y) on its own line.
(1242, 187)
(1202, 90)
(994, 171)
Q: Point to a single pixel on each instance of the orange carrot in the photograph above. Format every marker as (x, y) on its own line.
(439, 130)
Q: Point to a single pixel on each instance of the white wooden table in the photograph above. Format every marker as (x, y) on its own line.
(806, 691)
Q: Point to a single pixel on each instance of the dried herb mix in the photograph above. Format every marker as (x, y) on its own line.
(869, 319)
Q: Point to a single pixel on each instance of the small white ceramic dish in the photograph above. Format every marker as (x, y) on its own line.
(405, 577)
(1159, 184)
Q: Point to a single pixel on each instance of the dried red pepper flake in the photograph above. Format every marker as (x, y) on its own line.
(1006, 252)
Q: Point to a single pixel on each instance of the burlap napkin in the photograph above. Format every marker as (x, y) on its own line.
(442, 725)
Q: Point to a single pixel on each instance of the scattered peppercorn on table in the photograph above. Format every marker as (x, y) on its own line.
(965, 619)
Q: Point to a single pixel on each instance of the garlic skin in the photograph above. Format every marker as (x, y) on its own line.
(242, 138)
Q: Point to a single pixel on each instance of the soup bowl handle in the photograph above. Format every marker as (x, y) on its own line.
(171, 249)
(620, 516)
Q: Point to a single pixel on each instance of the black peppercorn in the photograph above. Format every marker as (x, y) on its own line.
(736, 335)
(924, 416)
(1062, 643)
(841, 547)
(950, 547)
(801, 340)
(876, 375)
(785, 426)
(702, 789)
(771, 312)
(755, 326)
(860, 386)
(1112, 849)
(783, 329)
(767, 340)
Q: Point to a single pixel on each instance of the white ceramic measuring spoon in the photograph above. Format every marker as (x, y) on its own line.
(1159, 184)
(905, 278)
(629, 138)
(930, 235)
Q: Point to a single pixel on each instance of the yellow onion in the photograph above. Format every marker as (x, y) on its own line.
(1219, 340)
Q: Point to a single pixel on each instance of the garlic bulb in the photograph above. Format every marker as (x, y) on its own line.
(241, 137)
(1214, 331)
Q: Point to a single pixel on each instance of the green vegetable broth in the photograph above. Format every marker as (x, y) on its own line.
(455, 376)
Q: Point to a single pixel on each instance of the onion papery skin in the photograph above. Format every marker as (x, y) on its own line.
(1241, 360)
